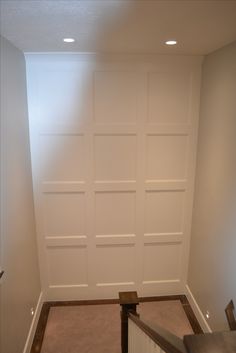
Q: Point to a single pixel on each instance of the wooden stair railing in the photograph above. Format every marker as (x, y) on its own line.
(165, 340)
(157, 339)
(229, 311)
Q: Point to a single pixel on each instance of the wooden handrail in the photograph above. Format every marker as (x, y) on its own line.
(163, 338)
(229, 311)
(220, 342)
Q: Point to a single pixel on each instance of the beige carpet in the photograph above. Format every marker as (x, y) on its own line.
(96, 328)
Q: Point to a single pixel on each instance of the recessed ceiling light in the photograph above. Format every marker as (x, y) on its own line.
(171, 42)
(68, 40)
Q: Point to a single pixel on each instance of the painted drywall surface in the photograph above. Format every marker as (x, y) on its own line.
(212, 257)
(20, 288)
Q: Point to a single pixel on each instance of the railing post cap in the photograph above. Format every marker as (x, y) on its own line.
(128, 298)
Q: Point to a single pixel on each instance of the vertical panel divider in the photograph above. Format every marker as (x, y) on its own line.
(90, 210)
(140, 191)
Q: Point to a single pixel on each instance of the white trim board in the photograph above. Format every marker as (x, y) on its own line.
(33, 325)
(197, 311)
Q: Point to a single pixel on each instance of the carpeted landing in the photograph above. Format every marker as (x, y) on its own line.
(96, 328)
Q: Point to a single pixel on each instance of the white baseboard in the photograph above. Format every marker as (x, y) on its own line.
(33, 325)
(197, 311)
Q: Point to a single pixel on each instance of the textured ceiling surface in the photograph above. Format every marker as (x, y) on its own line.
(128, 26)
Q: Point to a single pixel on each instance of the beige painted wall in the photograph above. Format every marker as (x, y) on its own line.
(213, 245)
(20, 287)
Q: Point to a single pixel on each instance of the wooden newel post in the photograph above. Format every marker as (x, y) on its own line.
(128, 302)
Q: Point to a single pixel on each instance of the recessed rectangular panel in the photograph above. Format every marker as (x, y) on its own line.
(115, 213)
(67, 265)
(114, 264)
(64, 214)
(115, 157)
(63, 158)
(115, 97)
(166, 157)
(164, 211)
(64, 95)
(169, 97)
(161, 262)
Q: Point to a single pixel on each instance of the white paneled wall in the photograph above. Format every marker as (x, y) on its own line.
(113, 150)
(139, 342)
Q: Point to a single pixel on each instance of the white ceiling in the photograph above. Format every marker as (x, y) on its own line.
(200, 26)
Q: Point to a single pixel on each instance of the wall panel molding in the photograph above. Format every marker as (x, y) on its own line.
(113, 154)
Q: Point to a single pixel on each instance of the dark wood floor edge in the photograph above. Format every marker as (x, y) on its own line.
(186, 306)
(161, 298)
(190, 315)
(40, 329)
(43, 318)
(83, 302)
(111, 301)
